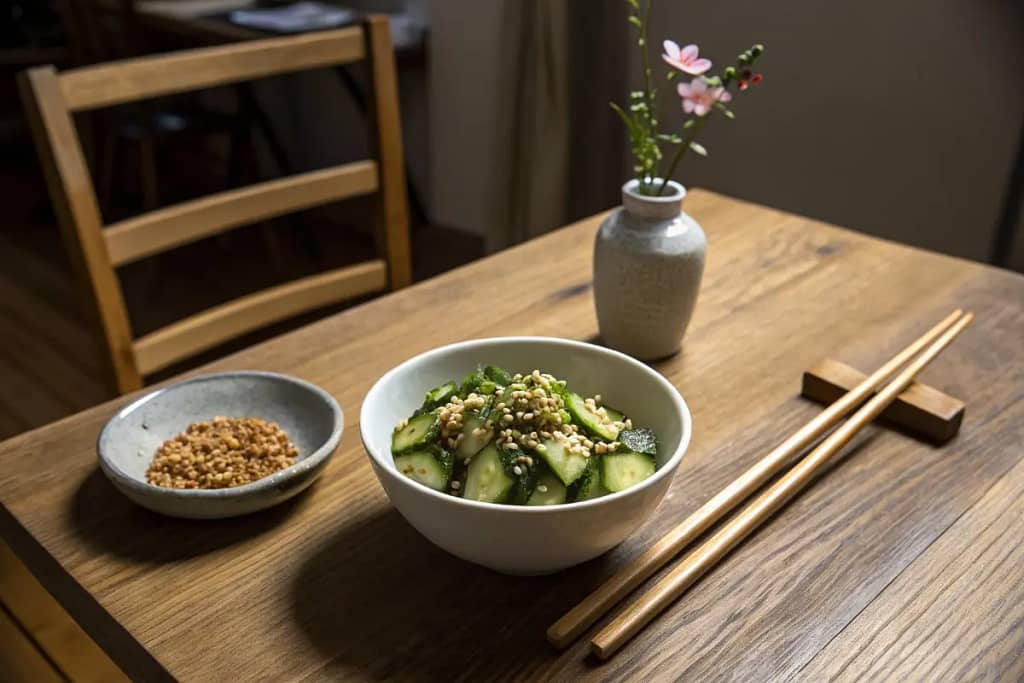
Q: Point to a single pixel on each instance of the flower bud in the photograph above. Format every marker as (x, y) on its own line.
(729, 73)
(757, 50)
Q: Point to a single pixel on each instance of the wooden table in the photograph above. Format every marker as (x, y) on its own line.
(905, 561)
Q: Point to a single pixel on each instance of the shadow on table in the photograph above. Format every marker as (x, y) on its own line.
(378, 599)
(107, 520)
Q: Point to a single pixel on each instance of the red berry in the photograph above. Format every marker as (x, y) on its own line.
(743, 85)
(757, 79)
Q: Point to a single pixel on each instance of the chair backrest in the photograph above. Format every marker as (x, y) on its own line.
(97, 250)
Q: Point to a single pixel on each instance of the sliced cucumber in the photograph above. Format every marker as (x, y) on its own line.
(614, 415)
(589, 484)
(640, 440)
(471, 443)
(430, 466)
(497, 375)
(438, 396)
(419, 431)
(567, 466)
(486, 479)
(548, 490)
(588, 419)
(619, 471)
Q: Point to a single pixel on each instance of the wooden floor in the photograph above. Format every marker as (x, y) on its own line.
(49, 365)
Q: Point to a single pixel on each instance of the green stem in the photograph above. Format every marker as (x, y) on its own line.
(648, 81)
(684, 147)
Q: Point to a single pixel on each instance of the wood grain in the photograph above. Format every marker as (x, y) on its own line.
(921, 409)
(956, 614)
(307, 591)
(163, 229)
(733, 531)
(105, 85)
(596, 605)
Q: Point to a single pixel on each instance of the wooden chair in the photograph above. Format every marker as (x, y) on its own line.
(96, 250)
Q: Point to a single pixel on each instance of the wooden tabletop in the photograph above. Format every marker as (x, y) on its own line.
(904, 561)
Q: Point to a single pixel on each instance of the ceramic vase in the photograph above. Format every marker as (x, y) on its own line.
(648, 263)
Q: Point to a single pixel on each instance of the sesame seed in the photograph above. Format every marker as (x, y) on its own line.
(507, 418)
(456, 485)
(542, 488)
(517, 469)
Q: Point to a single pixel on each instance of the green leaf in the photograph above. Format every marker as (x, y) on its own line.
(670, 137)
(622, 115)
(635, 21)
(634, 3)
(689, 124)
(725, 110)
(671, 75)
(699, 149)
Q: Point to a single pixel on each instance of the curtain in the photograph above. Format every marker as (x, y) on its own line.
(561, 154)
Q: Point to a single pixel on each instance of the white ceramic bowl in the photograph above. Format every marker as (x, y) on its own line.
(517, 539)
(308, 414)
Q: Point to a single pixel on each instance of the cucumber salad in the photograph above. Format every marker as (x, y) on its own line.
(521, 440)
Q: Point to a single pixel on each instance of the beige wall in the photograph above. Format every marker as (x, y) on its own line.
(897, 118)
(900, 119)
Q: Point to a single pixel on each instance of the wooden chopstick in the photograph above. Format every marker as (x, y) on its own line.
(675, 583)
(594, 606)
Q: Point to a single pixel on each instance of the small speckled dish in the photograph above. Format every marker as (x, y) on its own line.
(308, 414)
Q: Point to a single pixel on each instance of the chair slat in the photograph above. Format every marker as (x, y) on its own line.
(105, 85)
(164, 229)
(205, 330)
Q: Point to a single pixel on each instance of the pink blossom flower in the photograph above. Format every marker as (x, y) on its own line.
(698, 98)
(685, 59)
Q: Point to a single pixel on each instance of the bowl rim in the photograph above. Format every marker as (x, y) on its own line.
(666, 470)
(310, 462)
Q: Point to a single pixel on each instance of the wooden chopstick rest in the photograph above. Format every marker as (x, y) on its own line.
(921, 410)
